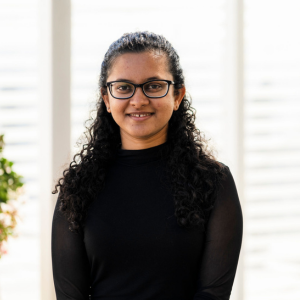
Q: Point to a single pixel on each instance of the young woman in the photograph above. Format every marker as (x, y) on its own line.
(146, 212)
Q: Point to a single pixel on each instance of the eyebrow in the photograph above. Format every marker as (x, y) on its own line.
(147, 79)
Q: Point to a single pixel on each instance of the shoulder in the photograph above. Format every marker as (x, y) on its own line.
(227, 195)
(220, 173)
(223, 166)
(227, 177)
(224, 172)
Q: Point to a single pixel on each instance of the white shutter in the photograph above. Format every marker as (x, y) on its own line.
(19, 269)
(272, 128)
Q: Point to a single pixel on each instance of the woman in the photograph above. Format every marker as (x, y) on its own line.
(146, 212)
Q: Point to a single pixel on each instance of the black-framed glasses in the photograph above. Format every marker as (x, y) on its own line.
(152, 89)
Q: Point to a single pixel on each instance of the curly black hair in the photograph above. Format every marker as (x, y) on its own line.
(194, 172)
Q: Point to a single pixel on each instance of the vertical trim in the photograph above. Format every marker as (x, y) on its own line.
(54, 122)
(234, 112)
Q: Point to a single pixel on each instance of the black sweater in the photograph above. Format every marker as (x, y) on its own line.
(133, 248)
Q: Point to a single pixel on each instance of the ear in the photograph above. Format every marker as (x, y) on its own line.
(179, 96)
(105, 98)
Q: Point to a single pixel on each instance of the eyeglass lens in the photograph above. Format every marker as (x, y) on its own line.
(152, 89)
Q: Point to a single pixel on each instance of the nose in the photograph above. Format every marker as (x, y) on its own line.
(139, 99)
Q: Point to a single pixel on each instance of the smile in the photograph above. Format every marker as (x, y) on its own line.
(140, 115)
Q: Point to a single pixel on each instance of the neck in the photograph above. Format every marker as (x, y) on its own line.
(134, 143)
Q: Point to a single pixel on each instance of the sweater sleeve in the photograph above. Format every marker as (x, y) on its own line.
(70, 265)
(222, 246)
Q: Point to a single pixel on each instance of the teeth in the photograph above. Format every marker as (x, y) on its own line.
(141, 115)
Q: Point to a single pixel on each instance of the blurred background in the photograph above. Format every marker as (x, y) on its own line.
(242, 66)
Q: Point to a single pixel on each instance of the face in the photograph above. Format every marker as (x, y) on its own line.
(151, 130)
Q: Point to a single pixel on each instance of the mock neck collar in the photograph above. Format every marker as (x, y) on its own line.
(142, 156)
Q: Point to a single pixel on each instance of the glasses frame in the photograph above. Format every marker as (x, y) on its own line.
(169, 82)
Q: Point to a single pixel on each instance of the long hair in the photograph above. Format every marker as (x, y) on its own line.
(192, 169)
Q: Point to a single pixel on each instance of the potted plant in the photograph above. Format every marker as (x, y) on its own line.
(10, 190)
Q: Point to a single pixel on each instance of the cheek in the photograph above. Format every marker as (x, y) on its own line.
(117, 107)
(117, 113)
(165, 108)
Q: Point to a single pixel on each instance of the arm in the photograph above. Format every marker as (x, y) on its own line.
(70, 265)
(222, 245)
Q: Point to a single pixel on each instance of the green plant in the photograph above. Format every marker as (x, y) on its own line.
(10, 190)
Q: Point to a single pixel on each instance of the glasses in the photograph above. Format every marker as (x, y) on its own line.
(151, 89)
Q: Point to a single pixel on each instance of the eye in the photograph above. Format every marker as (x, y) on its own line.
(157, 88)
(122, 88)
(154, 86)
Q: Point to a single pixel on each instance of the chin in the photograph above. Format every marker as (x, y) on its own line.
(142, 134)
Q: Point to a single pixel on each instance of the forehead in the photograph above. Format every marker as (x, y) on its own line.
(140, 66)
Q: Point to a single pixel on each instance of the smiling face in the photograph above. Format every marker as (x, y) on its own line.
(138, 131)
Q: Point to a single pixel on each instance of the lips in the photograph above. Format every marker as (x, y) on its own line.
(140, 115)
